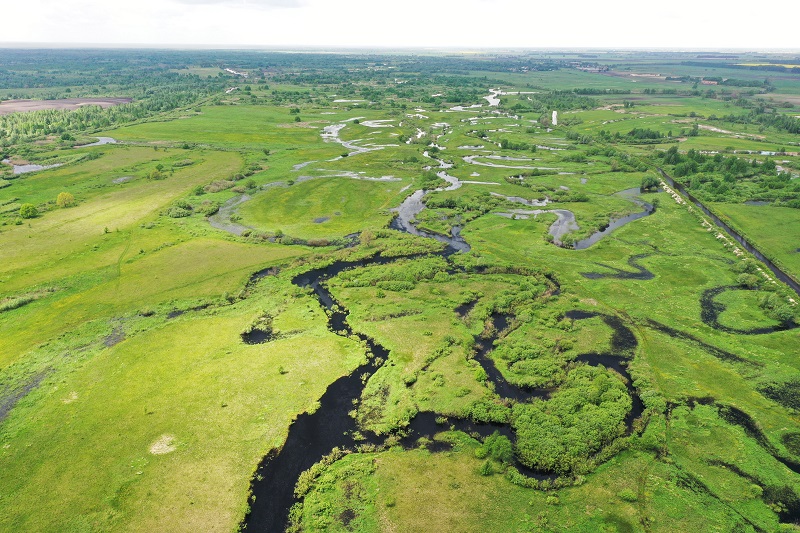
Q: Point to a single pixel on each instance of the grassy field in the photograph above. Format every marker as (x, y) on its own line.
(413, 490)
(776, 230)
(109, 411)
(324, 207)
(240, 126)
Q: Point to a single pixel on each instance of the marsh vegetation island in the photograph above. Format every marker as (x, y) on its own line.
(372, 291)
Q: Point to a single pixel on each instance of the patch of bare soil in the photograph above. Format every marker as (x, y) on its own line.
(117, 336)
(163, 445)
(347, 516)
(620, 74)
(16, 160)
(23, 106)
(712, 128)
(9, 396)
(71, 397)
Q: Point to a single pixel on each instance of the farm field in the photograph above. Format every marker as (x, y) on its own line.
(328, 298)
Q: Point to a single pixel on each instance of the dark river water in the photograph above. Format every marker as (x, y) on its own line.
(315, 435)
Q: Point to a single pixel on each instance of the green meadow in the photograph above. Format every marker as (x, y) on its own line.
(324, 207)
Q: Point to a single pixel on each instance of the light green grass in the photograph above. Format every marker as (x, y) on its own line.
(224, 402)
(250, 126)
(339, 205)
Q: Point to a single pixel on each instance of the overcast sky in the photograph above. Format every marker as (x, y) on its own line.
(406, 23)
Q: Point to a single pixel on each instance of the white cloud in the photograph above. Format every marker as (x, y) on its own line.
(249, 3)
(410, 23)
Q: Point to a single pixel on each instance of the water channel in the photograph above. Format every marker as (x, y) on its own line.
(314, 435)
(780, 274)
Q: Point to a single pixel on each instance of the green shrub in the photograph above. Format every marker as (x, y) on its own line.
(586, 414)
(487, 410)
(178, 212)
(396, 286)
(207, 208)
(750, 281)
(28, 211)
(649, 182)
(497, 448)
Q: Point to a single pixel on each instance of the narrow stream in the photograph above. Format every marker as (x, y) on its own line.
(222, 218)
(629, 194)
(314, 435)
(565, 223)
(413, 205)
(24, 169)
(100, 141)
(640, 273)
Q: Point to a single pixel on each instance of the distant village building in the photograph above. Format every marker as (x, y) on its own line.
(555, 118)
(589, 67)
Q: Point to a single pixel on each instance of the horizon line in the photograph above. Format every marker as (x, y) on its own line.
(342, 47)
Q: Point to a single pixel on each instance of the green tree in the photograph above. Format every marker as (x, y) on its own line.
(65, 199)
(366, 237)
(649, 182)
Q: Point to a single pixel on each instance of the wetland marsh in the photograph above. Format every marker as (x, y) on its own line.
(488, 298)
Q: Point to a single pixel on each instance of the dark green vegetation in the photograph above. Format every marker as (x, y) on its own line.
(162, 326)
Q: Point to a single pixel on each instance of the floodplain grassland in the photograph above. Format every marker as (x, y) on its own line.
(109, 411)
(324, 207)
(110, 252)
(403, 483)
(776, 230)
(685, 262)
(129, 399)
(228, 126)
